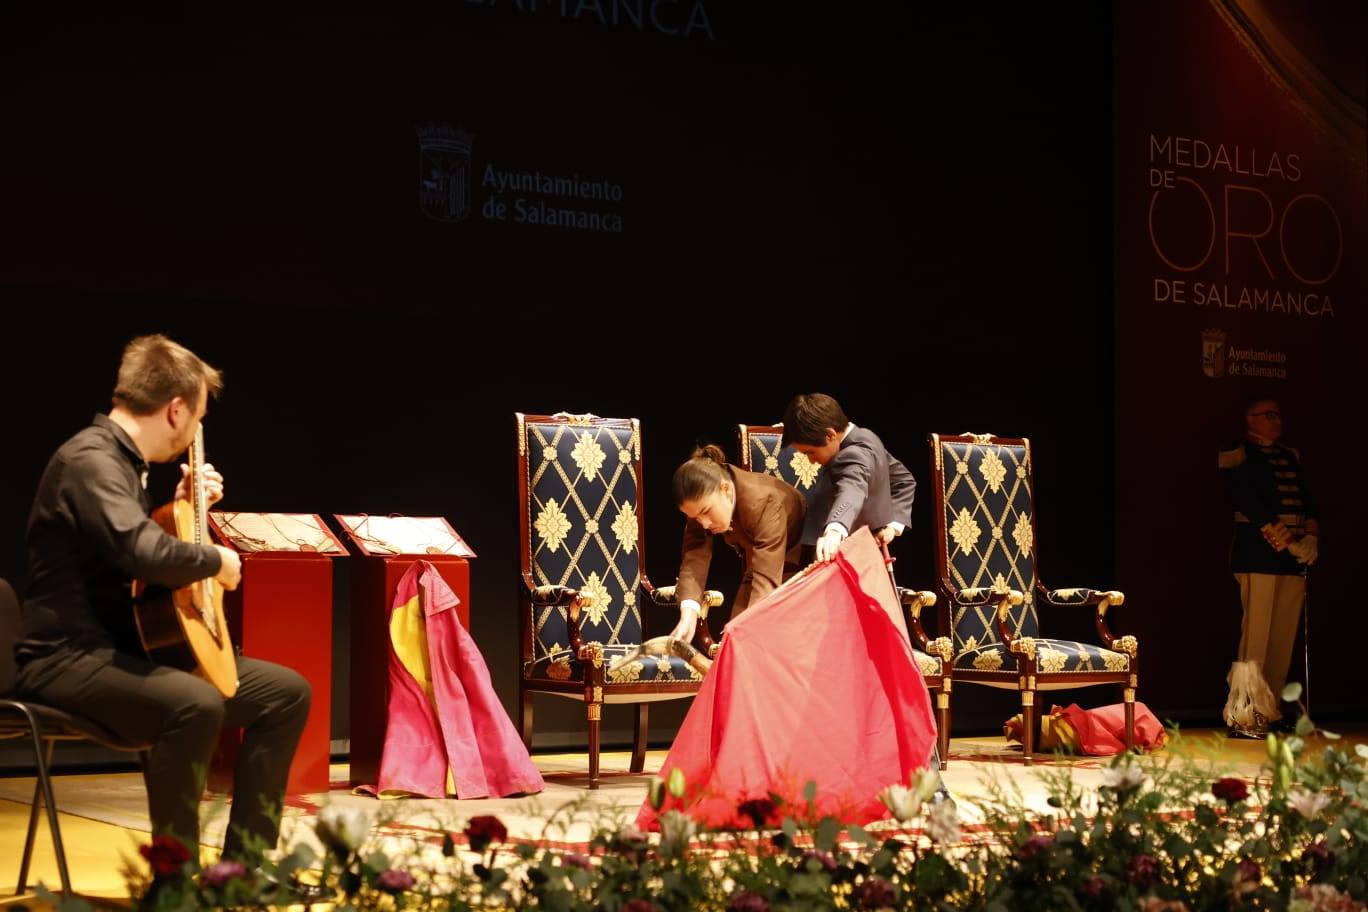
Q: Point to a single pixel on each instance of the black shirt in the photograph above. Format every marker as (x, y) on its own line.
(89, 537)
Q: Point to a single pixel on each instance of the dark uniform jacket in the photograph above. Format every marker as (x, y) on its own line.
(1265, 485)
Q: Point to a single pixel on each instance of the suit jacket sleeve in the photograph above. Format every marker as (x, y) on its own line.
(768, 549)
(850, 473)
(693, 564)
(903, 488)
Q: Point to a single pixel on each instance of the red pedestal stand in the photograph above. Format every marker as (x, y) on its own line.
(282, 613)
(374, 581)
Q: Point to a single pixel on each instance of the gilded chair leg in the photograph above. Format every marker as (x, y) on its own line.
(525, 717)
(943, 713)
(595, 712)
(639, 738)
(1128, 696)
(1028, 725)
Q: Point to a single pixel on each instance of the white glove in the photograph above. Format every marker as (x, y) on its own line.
(829, 543)
(688, 621)
(1305, 549)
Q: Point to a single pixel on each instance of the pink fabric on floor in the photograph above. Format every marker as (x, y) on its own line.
(816, 682)
(1102, 731)
(462, 727)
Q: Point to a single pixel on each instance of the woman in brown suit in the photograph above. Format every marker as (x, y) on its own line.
(758, 515)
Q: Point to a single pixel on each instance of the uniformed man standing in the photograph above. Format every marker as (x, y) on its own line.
(1275, 540)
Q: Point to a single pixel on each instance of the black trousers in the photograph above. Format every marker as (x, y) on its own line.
(181, 714)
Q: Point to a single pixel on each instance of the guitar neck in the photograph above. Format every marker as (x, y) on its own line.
(200, 497)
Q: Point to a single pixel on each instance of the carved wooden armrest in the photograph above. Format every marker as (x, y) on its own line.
(1006, 601)
(1100, 599)
(668, 596)
(984, 595)
(573, 601)
(915, 600)
(553, 595)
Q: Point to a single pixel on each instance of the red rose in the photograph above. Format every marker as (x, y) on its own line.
(1034, 846)
(483, 830)
(874, 893)
(167, 855)
(394, 881)
(1318, 857)
(1142, 870)
(218, 875)
(1230, 790)
(746, 901)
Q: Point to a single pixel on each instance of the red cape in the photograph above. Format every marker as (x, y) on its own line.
(448, 734)
(816, 683)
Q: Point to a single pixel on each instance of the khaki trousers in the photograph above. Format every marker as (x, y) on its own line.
(1272, 607)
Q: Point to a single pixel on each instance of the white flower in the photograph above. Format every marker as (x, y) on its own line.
(1308, 804)
(1123, 777)
(925, 782)
(902, 802)
(942, 822)
(343, 827)
(676, 829)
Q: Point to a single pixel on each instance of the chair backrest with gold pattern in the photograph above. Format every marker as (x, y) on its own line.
(762, 450)
(581, 526)
(985, 530)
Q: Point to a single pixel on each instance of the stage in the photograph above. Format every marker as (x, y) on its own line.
(104, 816)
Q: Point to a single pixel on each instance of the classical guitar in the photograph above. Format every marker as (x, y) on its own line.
(185, 628)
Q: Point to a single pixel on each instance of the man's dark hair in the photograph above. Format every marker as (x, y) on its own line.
(809, 415)
(155, 370)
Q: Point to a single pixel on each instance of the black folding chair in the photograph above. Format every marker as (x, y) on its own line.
(44, 726)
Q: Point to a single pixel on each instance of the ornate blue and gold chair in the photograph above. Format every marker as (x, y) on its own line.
(581, 541)
(986, 558)
(762, 450)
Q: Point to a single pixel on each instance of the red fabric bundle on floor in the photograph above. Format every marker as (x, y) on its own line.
(814, 683)
(1102, 731)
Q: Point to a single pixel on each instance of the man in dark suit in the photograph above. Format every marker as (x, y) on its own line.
(862, 485)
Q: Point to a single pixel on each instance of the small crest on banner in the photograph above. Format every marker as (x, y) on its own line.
(1213, 353)
(444, 172)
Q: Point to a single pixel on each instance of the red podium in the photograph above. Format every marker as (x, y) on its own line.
(282, 613)
(389, 545)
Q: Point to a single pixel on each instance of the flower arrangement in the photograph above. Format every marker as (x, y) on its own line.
(1164, 832)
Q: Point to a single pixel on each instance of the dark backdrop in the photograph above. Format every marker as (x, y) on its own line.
(910, 210)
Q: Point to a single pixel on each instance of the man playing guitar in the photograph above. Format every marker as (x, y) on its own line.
(89, 537)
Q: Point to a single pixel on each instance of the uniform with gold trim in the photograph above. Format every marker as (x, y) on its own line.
(1266, 487)
(1271, 504)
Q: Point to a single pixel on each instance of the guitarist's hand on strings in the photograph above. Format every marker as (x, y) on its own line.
(230, 568)
(213, 484)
